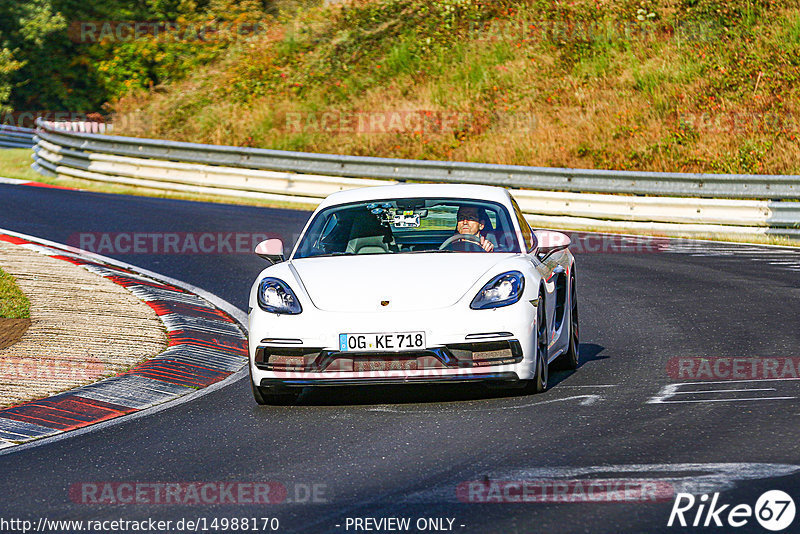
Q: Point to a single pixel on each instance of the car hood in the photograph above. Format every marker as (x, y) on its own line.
(407, 281)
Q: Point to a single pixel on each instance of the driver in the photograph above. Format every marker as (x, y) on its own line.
(472, 221)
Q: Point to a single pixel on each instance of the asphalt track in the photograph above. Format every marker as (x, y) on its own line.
(401, 452)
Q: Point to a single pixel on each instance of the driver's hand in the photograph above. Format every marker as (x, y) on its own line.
(486, 244)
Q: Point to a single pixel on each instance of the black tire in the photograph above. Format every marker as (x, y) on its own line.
(571, 359)
(542, 368)
(265, 396)
(257, 395)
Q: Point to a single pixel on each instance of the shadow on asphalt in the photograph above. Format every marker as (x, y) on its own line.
(591, 352)
(588, 351)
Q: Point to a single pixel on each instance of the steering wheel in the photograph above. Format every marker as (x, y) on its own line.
(469, 238)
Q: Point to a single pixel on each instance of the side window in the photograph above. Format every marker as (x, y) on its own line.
(527, 234)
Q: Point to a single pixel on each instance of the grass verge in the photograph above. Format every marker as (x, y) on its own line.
(13, 302)
(16, 163)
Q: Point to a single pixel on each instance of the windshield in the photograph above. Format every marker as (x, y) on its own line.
(409, 225)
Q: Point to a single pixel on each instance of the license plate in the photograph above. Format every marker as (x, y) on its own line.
(386, 341)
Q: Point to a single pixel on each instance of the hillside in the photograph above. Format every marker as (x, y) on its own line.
(679, 85)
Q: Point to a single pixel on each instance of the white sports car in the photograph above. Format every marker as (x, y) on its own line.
(413, 284)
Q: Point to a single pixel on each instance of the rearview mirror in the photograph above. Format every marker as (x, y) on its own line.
(550, 242)
(271, 250)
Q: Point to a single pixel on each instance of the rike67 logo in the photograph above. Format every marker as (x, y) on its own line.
(774, 511)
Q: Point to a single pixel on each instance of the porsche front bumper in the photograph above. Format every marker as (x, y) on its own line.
(462, 345)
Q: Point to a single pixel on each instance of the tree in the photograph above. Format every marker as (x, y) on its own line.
(46, 65)
(24, 28)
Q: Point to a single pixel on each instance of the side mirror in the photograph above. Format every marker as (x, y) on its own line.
(550, 242)
(271, 250)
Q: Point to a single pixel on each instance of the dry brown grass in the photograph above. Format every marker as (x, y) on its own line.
(657, 104)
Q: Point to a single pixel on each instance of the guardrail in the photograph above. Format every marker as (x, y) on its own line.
(16, 137)
(749, 204)
(90, 127)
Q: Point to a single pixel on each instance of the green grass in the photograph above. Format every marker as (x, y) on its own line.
(13, 303)
(17, 166)
(16, 163)
(607, 90)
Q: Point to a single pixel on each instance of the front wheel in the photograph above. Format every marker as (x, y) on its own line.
(258, 396)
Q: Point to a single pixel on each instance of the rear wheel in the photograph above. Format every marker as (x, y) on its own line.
(542, 371)
(571, 358)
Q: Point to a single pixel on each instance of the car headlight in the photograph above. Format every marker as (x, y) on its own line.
(274, 296)
(502, 290)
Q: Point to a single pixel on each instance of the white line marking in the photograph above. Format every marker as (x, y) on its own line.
(738, 381)
(13, 181)
(590, 386)
(665, 393)
(724, 390)
(673, 390)
(726, 400)
(588, 400)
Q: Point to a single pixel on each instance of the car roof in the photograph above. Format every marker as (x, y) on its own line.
(466, 191)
